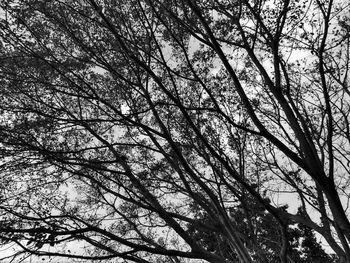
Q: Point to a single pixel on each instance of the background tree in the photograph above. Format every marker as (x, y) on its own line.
(261, 237)
(118, 118)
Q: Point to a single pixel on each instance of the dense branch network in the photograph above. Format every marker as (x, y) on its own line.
(175, 130)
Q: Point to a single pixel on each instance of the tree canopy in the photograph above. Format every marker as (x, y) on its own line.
(175, 130)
